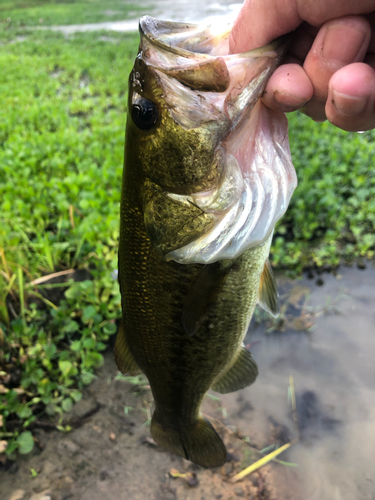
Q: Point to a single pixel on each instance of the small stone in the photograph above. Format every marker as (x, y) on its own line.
(239, 491)
(17, 495)
(226, 469)
(105, 473)
(48, 468)
(43, 495)
(66, 446)
(112, 436)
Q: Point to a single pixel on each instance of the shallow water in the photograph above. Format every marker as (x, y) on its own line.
(192, 11)
(333, 367)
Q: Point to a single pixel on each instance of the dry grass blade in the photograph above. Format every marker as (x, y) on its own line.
(259, 463)
(71, 216)
(292, 395)
(43, 279)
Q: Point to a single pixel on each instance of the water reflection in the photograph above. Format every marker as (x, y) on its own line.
(333, 365)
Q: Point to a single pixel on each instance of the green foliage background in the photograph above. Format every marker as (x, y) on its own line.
(63, 110)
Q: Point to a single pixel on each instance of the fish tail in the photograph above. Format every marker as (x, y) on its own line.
(199, 443)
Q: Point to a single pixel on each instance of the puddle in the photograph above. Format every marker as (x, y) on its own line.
(192, 11)
(333, 367)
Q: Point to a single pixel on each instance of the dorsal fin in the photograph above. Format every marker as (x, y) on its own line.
(268, 295)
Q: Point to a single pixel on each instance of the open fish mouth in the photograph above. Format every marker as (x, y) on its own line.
(203, 83)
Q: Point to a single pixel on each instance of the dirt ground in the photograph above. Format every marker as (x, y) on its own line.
(111, 455)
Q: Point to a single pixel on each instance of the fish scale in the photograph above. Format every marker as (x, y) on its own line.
(186, 306)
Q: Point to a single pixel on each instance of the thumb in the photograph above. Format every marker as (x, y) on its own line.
(261, 21)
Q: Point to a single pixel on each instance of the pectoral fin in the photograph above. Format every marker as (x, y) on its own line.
(123, 357)
(242, 373)
(202, 296)
(268, 295)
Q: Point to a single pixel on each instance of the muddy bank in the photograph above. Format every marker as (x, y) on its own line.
(324, 338)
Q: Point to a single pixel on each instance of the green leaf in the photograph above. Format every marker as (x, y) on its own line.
(24, 412)
(87, 378)
(76, 395)
(50, 350)
(65, 367)
(88, 313)
(89, 343)
(110, 328)
(25, 442)
(33, 472)
(67, 404)
(76, 345)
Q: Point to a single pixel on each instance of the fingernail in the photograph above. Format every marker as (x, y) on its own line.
(288, 102)
(342, 44)
(348, 105)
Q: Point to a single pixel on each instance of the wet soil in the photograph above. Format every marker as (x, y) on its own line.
(324, 338)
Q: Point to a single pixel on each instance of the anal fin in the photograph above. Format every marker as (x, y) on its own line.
(242, 373)
(123, 357)
(268, 295)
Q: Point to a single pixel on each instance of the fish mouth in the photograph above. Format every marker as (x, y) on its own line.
(202, 82)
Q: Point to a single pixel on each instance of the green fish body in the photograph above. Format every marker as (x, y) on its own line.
(207, 175)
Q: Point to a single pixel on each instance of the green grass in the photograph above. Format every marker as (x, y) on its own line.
(331, 218)
(63, 109)
(57, 12)
(61, 154)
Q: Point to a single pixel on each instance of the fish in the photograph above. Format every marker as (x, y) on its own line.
(207, 174)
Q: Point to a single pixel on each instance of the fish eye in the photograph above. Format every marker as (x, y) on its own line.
(144, 113)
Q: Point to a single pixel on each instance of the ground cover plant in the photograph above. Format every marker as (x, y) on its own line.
(55, 12)
(63, 108)
(61, 149)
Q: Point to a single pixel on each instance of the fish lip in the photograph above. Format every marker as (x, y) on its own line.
(151, 28)
(148, 27)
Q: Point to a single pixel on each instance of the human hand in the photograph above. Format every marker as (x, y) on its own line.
(328, 70)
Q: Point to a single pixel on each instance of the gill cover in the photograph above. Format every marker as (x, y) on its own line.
(255, 178)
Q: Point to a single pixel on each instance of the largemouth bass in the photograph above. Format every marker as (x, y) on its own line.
(207, 175)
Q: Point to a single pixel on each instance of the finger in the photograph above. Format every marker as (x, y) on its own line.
(288, 89)
(261, 21)
(302, 41)
(338, 43)
(351, 98)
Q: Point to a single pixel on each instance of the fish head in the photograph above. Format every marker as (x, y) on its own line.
(212, 163)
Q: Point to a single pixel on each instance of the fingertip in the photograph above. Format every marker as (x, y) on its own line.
(351, 98)
(356, 79)
(288, 89)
